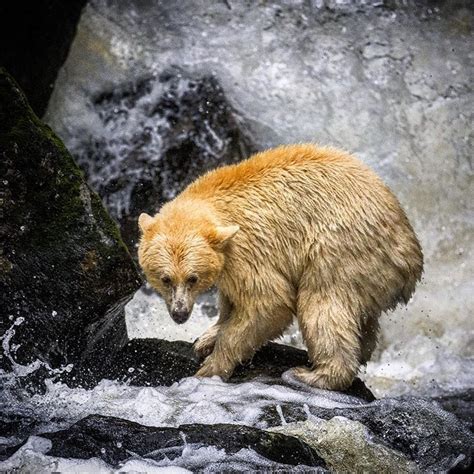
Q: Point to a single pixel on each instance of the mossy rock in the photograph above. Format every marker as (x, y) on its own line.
(64, 267)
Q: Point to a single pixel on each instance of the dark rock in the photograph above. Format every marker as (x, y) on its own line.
(158, 135)
(435, 439)
(114, 439)
(153, 362)
(35, 38)
(14, 428)
(461, 404)
(65, 269)
(18, 426)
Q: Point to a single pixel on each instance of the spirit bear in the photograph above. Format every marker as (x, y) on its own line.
(301, 232)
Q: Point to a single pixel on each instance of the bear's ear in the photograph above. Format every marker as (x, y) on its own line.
(221, 235)
(145, 221)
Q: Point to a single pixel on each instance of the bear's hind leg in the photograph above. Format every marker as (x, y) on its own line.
(332, 336)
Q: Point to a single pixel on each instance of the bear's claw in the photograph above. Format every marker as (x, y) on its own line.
(202, 350)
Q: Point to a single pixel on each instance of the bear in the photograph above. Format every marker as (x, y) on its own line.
(299, 231)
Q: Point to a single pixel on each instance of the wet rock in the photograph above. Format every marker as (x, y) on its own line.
(156, 135)
(115, 440)
(35, 38)
(65, 272)
(153, 362)
(347, 446)
(420, 429)
(15, 425)
(461, 404)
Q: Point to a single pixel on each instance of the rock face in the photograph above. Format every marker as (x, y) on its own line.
(35, 38)
(65, 272)
(153, 137)
(113, 439)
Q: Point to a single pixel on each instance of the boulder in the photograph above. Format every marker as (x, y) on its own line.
(334, 431)
(153, 137)
(348, 446)
(154, 362)
(65, 271)
(114, 440)
(461, 403)
(420, 429)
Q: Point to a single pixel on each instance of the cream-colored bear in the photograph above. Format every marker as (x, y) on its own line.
(298, 231)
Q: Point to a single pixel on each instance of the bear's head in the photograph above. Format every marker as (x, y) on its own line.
(181, 258)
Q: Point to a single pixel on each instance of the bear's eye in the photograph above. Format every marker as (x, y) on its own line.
(166, 280)
(191, 280)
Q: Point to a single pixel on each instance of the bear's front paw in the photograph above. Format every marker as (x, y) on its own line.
(319, 379)
(209, 369)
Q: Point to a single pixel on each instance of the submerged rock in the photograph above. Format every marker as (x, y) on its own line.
(389, 435)
(65, 271)
(155, 136)
(420, 429)
(347, 446)
(115, 440)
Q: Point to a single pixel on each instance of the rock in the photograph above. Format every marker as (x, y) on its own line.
(18, 426)
(156, 135)
(347, 446)
(461, 404)
(66, 273)
(115, 440)
(154, 362)
(35, 38)
(420, 429)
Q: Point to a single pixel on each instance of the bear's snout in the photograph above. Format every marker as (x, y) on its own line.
(180, 316)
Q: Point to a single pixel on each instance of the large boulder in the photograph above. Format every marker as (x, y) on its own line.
(65, 271)
(154, 362)
(113, 439)
(153, 137)
(35, 38)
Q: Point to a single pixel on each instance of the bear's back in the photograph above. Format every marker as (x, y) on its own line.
(323, 184)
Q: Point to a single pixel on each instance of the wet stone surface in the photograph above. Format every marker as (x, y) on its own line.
(114, 439)
(418, 428)
(64, 266)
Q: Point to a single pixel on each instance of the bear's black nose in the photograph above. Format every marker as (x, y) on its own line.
(180, 316)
